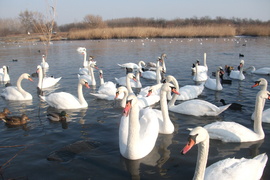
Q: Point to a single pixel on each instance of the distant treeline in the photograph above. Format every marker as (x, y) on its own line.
(29, 22)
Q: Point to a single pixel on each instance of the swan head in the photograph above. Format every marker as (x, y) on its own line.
(81, 50)
(260, 82)
(242, 62)
(168, 87)
(131, 76)
(131, 101)
(84, 83)
(196, 136)
(100, 73)
(39, 68)
(120, 90)
(27, 76)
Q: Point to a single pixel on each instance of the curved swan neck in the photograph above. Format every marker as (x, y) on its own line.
(19, 87)
(174, 96)
(259, 105)
(202, 157)
(80, 94)
(217, 79)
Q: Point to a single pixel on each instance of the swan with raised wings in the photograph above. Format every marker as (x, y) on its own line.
(137, 134)
(17, 93)
(234, 132)
(238, 74)
(43, 63)
(214, 84)
(4, 76)
(230, 168)
(64, 100)
(45, 82)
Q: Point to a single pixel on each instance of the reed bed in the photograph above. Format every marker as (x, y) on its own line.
(152, 32)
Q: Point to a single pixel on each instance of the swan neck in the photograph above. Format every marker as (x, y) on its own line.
(204, 60)
(40, 78)
(123, 102)
(92, 75)
(158, 75)
(164, 106)
(259, 105)
(128, 85)
(101, 80)
(133, 129)
(80, 94)
(174, 96)
(202, 157)
(85, 63)
(19, 87)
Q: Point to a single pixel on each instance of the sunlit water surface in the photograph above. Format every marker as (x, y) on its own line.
(87, 146)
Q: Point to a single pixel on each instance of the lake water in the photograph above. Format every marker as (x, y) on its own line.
(87, 146)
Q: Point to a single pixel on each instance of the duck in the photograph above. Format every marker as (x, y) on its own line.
(4, 76)
(5, 112)
(55, 116)
(214, 84)
(43, 63)
(266, 113)
(64, 100)
(230, 168)
(238, 74)
(235, 132)
(45, 82)
(233, 106)
(137, 134)
(106, 90)
(17, 93)
(16, 120)
(187, 92)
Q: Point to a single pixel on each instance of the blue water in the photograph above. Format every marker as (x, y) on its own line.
(94, 131)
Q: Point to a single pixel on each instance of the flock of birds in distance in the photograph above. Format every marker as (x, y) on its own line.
(141, 124)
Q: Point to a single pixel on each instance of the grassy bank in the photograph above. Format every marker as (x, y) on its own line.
(186, 31)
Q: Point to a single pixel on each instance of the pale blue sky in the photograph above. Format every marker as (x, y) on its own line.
(69, 11)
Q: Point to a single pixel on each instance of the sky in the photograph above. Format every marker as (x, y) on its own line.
(69, 11)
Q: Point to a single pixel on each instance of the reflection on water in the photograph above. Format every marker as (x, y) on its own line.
(100, 121)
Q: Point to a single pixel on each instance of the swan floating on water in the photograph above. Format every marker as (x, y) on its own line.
(64, 100)
(230, 168)
(17, 93)
(45, 82)
(234, 132)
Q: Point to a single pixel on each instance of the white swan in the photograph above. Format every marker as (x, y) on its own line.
(132, 65)
(238, 74)
(230, 168)
(122, 93)
(63, 100)
(214, 84)
(137, 134)
(201, 68)
(200, 76)
(4, 76)
(262, 71)
(43, 63)
(155, 75)
(122, 81)
(91, 77)
(187, 92)
(45, 82)
(266, 113)
(165, 124)
(17, 93)
(106, 90)
(86, 63)
(234, 132)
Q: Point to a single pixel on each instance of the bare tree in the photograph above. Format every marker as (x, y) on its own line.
(94, 21)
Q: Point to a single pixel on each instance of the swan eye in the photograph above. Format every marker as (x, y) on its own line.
(163, 81)
(192, 137)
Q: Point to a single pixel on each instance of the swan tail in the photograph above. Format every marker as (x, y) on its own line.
(42, 97)
(223, 108)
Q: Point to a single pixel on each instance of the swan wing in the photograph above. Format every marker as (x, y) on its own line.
(190, 92)
(50, 81)
(231, 132)
(231, 168)
(12, 93)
